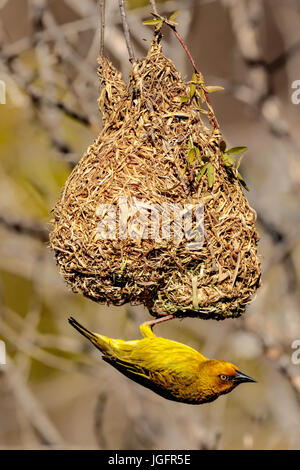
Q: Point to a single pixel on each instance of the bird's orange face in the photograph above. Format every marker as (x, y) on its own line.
(220, 377)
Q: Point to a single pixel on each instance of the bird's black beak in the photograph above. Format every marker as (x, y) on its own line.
(240, 378)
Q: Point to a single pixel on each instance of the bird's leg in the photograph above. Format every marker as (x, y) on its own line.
(146, 328)
(162, 319)
(160, 312)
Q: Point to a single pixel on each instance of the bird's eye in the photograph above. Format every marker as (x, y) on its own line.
(223, 377)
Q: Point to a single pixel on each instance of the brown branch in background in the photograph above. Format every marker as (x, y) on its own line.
(64, 48)
(258, 75)
(257, 93)
(274, 352)
(25, 227)
(260, 90)
(102, 15)
(126, 31)
(38, 97)
(45, 340)
(99, 425)
(33, 314)
(29, 347)
(283, 58)
(33, 409)
(40, 100)
(50, 116)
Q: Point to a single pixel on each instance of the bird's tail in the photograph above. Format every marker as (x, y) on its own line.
(101, 342)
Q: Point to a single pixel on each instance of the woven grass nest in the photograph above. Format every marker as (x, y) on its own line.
(157, 147)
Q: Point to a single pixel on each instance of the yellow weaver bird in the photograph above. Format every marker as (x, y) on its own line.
(171, 369)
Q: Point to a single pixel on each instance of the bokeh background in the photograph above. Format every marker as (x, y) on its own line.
(55, 392)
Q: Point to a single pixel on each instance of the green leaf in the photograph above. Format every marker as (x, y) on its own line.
(174, 15)
(192, 89)
(184, 99)
(194, 78)
(213, 89)
(193, 85)
(124, 264)
(202, 171)
(210, 174)
(191, 155)
(152, 22)
(198, 154)
(228, 160)
(223, 146)
(237, 150)
(243, 182)
(202, 94)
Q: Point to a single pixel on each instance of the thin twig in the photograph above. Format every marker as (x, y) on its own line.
(154, 7)
(126, 31)
(102, 13)
(185, 47)
(180, 39)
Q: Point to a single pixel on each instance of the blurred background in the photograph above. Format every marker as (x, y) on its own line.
(54, 389)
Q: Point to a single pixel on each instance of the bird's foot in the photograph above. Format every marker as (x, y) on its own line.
(162, 319)
(146, 328)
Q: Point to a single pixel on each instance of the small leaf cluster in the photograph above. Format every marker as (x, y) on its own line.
(209, 170)
(229, 160)
(193, 152)
(196, 85)
(158, 22)
(194, 155)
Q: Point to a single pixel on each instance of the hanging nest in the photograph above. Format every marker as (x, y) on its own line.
(160, 145)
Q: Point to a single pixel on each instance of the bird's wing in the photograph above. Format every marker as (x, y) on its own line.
(127, 368)
(143, 376)
(163, 361)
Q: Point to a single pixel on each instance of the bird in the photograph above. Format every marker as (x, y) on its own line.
(171, 369)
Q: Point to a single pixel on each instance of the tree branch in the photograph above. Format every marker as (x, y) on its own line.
(25, 227)
(126, 31)
(154, 7)
(102, 28)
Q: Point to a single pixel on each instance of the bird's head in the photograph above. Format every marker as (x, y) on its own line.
(220, 377)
